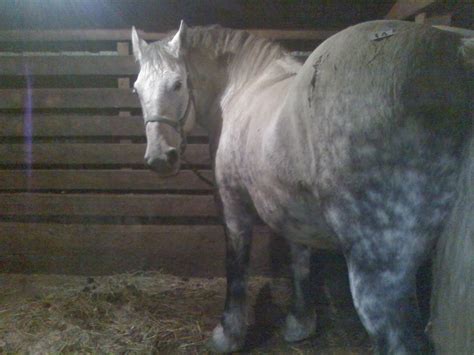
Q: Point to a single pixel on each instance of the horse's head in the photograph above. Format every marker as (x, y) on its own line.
(166, 99)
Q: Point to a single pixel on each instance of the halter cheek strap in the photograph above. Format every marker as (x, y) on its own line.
(178, 124)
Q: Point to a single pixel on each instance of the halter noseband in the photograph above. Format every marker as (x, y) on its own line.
(178, 124)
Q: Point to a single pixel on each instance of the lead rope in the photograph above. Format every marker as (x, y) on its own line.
(197, 173)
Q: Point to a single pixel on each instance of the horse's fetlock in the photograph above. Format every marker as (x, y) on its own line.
(224, 342)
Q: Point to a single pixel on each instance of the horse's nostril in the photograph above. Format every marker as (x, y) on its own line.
(172, 156)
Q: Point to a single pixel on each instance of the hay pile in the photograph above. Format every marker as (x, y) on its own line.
(134, 313)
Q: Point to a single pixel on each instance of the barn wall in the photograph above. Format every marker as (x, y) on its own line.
(75, 196)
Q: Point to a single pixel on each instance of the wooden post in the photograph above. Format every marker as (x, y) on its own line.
(123, 48)
(420, 18)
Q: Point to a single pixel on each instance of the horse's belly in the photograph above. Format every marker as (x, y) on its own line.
(297, 218)
(310, 234)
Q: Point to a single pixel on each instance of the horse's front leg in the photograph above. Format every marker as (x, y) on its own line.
(301, 321)
(230, 334)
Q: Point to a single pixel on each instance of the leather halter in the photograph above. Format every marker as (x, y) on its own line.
(178, 125)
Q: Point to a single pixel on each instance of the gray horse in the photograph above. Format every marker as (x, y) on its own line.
(361, 146)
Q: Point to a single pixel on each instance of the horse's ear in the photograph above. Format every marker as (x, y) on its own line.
(178, 43)
(138, 45)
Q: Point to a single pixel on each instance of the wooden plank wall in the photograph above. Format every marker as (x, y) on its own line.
(75, 196)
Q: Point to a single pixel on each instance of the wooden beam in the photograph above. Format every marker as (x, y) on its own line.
(54, 125)
(75, 35)
(407, 8)
(125, 34)
(107, 205)
(69, 98)
(308, 35)
(61, 240)
(100, 180)
(460, 31)
(441, 20)
(90, 154)
(68, 65)
(110, 249)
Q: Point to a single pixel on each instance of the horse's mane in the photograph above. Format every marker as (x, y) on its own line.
(251, 54)
(219, 41)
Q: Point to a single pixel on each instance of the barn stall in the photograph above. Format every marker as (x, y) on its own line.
(97, 253)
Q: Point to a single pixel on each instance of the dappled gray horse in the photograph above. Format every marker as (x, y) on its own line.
(362, 146)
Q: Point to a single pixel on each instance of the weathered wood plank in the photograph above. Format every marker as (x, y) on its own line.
(125, 34)
(89, 153)
(75, 35)
(104, 205)
(94, 98)
(102, 249)
(123, 180)
(79, 126)
(63, 239)
(69, 65)
(105, 249)
(403, 9)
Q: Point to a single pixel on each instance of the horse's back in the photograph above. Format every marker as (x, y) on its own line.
(414, 71)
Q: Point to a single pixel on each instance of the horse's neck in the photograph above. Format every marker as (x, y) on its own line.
(209, 80)
(220, 78)
(224, 68)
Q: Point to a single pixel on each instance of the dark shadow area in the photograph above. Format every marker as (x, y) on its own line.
(269, 318)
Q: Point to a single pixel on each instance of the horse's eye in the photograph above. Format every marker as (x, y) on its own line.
(177, 86)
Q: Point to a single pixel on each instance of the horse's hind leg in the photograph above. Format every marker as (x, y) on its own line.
(386, 235)
(301, 321)
(385, 299)
(230, 334)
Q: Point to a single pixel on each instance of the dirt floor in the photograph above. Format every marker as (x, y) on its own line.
(151, 312)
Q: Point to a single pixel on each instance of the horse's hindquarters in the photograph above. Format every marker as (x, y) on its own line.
(388, 121)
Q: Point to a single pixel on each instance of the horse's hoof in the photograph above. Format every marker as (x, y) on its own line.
(221, 343)
(297, 330)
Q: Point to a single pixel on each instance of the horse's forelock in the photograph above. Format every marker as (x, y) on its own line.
(157, 55)
(244, 47)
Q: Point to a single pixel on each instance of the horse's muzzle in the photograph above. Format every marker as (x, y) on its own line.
(165, 167)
